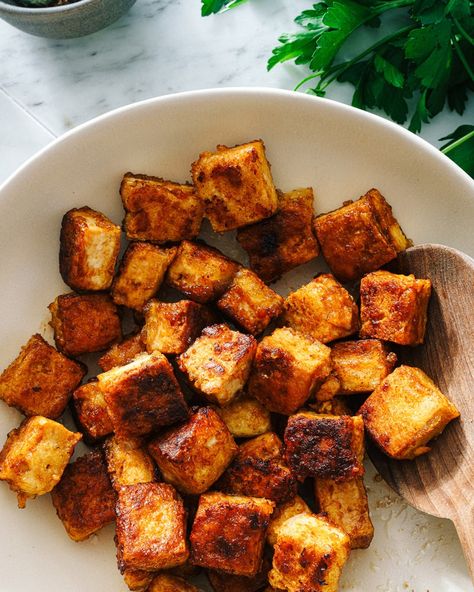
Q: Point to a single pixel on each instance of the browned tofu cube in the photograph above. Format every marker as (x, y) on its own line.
(228, 533)
(35, 455)
(360, 237)
(285, 240)
(89, 247)
(288, 366)
(151, 527)
(141, 274)
(137, 580)
(405, 412)
(84, 498)
(249, 302)
(84, 323)
(218, 363)
(323, 309)
(122, 353)
(40, 380)
(260, 470)
(345, 504)
(128, 463)
(201, 272)
(169, 583)
(282, 512)
(309, 555)
(224, 582)
(336, 406)
(328, 389)
(171, 327)
(394, 307)
(90, 411)
(143, 396)
(326, 446)
(158, 210)
(194, 455)
(245, 417)
(236, 185)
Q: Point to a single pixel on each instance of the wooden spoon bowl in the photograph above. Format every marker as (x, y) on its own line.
(441, 482)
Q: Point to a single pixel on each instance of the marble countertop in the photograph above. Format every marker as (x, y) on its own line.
(164, 46)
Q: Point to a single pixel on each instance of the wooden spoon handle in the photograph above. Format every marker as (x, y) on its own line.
(464, 523)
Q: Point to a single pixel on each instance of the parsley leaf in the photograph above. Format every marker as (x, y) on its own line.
(214, 6)
(460, 147)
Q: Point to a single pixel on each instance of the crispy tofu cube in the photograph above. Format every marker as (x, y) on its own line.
(405, 412)
(224, 582)
(84, 498)
(309, 555)
(169, 583)
(288, 367)
(260, 470)
(122, 353)
(128, 462)
(137, 580)
(40, 380)
(171, 327)
(35, 455)
(235, 185)
(360, 237)
(325, 446)
(249, 302)
(89, 247)
(228, 533)
(141, 274)
(394, 307)
(151, 527)
(328, 389)
(285, 240)
(158, 210)
(84, 323)
(282, 512)
(194, 455)
(245, 417)
(218, 363)
(90, 411)
(143, 396)
(201, 272)
(345, 504)
(323, 309)
(336, 406)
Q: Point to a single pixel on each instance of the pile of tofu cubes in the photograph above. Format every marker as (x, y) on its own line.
(209, 421)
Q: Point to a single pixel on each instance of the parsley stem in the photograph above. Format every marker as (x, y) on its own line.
(463, 31)
(463, 59)
(457, 143)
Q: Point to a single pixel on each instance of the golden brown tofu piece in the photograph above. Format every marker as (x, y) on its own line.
(235, 185)
(224, 582)
(326, 446)
(394, 307)
(84, 498)
(228, 533)
(323, 309)
(141, 273)
(40, 380)
(171, 327)
(285, 240)
(336, 406)
(143, 396)
(128, 462)
(260, 470)
(309, 555)
(245, 417)
(90, 411)
(159, 210)
(84, 323)
(122, 353)
(218, 363)
(288, 367)
(137, 580)
(194, 455)
(201, 272)
(405, 412)
(282, 512)
(360, 236)
(151, 527)
(345, 504)
(169, 583)
(249, 302)
(35, 455)
(89, 247)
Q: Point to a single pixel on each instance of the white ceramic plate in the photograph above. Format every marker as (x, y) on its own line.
(341, 152)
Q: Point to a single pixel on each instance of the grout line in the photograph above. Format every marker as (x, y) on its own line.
(27, 112)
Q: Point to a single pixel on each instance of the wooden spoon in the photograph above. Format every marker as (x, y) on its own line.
(441, 482)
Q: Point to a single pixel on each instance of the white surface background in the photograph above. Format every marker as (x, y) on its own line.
(164, 46)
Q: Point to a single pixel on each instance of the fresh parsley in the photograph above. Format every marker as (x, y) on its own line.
(460, 147)
(214, 6)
